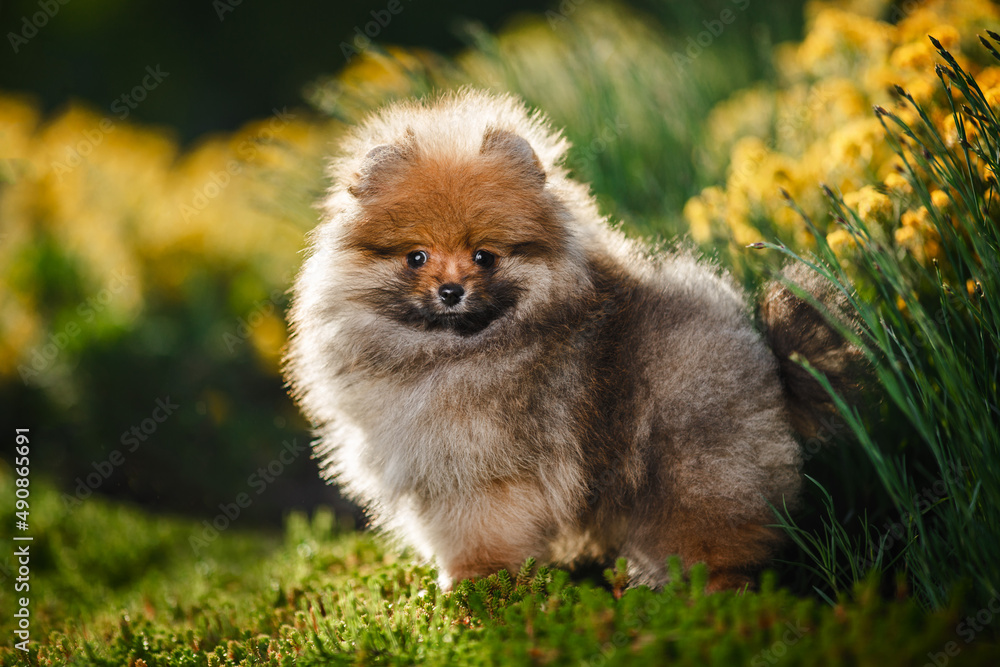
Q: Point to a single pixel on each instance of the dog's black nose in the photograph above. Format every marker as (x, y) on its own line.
(451, 294)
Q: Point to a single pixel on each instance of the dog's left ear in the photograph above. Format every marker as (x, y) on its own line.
(380, 163)
(516, 150)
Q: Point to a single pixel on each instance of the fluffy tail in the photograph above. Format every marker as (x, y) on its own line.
(794, 328)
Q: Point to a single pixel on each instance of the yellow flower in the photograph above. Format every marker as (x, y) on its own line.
(748, 155)
(905, 235)
(748, 113)
(855, 149)
(948, 35)
(989, 77)
(838, 39)
(872, 206)
(949, 128)
(941, 200)
(744, 234)
(932, 18)
(18, 119)
(911, 239)
(696, 212)
(992, 95)
(986, 172)
(898, 183)
(918, 235)
(922, 90)
(915, 55)
(918, 219)
(816, 125)
(840, 240)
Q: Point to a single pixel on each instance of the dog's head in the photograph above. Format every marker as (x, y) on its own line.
(455, 236)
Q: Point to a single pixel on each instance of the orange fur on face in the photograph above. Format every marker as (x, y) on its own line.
(451, 209)
(454, 208)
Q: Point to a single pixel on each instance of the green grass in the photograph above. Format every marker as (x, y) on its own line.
(115, 585)
(934, 345)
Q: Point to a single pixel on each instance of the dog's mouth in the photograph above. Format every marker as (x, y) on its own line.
(467, 322)
(470, 318)
(473, 316)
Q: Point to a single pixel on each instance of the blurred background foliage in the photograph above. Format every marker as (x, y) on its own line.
(141, 262)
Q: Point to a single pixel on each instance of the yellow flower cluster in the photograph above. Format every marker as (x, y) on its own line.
(817, 126)
(129, 210)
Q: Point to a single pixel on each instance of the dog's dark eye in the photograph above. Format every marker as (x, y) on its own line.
(416, 259)
(484, 258)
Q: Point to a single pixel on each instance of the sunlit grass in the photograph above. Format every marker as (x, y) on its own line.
(116, 586)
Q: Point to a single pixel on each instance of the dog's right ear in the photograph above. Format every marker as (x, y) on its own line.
(515, 150)
(380, 163)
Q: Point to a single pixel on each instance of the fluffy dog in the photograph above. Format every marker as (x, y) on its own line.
(494, 372)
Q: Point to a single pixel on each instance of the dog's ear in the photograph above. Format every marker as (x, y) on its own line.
(380, 163)
(516, 150)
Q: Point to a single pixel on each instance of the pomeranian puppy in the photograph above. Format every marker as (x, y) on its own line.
(494, 372)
